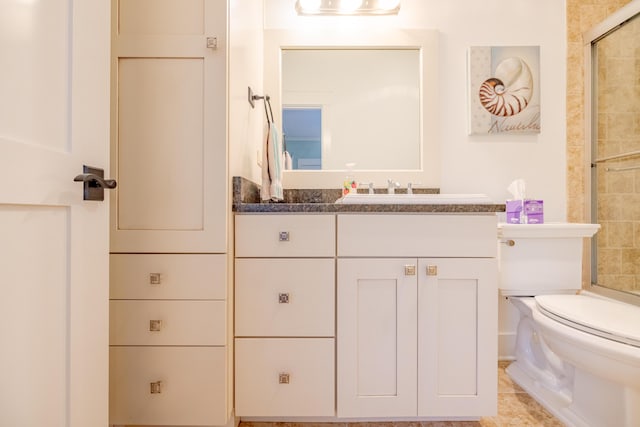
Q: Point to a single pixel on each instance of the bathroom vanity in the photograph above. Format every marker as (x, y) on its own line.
(365, 311)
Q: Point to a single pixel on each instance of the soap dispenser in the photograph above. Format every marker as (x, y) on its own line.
(349, 185)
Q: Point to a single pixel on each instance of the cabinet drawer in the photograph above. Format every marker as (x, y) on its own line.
(168, 276)
(285, 235)
(417, 235)
(263, 367)
(192, 385)
(285, 297)
(167, 322)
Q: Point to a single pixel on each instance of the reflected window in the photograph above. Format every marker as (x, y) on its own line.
(302, 129)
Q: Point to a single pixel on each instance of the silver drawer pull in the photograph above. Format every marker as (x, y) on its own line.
(283, 236)
(432, 270)
(409, 270)
(283, 378)
(283, 298)
(155, 278)
(156, 387)
(155, 325)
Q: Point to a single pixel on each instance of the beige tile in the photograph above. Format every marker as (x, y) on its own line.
(505, 383)
(485, 422)
(520, 410)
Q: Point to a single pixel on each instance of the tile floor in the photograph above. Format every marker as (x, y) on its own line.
(515, 409)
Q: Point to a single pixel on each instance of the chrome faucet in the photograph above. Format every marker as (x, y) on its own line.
(410, 186)
(368, 184)
(391, 186)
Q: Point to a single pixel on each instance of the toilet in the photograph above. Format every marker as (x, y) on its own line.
(577, 353)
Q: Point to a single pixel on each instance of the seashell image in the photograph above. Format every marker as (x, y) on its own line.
(509, 91)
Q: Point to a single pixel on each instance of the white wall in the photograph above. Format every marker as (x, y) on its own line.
(245, 69)
(487, 163)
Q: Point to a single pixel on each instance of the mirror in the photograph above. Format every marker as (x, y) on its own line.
(385, 120)
(615, 136)
(331, 98)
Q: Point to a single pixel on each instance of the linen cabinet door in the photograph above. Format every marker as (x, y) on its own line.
(169, 149)
(457, 337)
(376, 337)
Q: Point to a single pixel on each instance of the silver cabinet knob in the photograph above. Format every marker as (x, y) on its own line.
(410, 270)
(155, 278)
(212, 42)
(283, 236)
(155, 325)
(283, 298)
(432, 270)
(155, 387)
(283, 378)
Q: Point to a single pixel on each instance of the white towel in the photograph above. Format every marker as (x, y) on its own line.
(272, 166)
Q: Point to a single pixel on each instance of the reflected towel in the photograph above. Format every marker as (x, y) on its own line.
(272, 166)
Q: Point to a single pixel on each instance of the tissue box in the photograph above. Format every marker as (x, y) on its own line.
(534, 211)
(514, 211)
(530, 211)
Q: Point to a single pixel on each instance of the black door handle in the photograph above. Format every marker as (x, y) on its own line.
(89, 177)
(94, 183)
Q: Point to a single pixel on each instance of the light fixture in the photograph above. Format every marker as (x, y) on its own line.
(347, 7)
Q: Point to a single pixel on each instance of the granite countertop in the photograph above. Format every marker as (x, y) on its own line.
(246, 199)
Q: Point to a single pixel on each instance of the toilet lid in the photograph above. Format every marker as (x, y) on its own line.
(603, 317)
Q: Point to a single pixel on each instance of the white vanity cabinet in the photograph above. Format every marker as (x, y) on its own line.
(285, 315)
(416, 315)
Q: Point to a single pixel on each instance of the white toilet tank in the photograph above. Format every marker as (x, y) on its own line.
(539, 259)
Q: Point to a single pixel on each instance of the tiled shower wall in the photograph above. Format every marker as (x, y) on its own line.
(618, 198)
(581, 16)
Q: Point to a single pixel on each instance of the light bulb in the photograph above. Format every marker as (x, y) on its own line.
(310, 5)
(388, 4)
(349, 5)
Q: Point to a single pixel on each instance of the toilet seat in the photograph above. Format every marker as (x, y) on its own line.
(605, 318)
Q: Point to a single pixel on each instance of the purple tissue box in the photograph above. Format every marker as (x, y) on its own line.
(514, 210)
(534, 211)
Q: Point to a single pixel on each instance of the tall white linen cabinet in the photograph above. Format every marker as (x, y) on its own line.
(170, 345)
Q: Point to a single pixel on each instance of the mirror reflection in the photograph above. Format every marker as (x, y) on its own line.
(616, 150)
(357, 106)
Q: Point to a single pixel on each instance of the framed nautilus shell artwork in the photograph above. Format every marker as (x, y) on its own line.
(504, 89)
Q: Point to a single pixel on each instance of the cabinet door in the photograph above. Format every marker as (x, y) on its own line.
(457, 337)
(169, 133)
(376, 344)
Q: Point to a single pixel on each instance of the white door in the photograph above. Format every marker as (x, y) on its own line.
(54, 117)
(376, 339)
(457, 337)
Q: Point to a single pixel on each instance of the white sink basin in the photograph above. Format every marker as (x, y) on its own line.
(415, 199)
